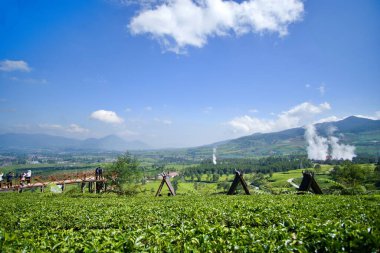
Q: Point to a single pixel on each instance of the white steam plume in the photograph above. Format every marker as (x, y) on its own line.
(341, 151)
(318, 146)
(214, 156)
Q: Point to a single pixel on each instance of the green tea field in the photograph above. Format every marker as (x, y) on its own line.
(33, 222)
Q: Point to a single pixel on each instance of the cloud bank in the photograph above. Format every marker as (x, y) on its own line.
(295, 117)
(320, 148)
(9, 66)
(106, 116)
(72, 128)
(181, 23)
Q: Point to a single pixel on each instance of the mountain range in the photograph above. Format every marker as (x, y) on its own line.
(362, 133)
(44, 142)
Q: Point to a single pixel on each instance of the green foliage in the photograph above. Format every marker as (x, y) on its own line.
(317, 168)
(124, 174)
(262, 165)
(175, 183)
(215, 177)
(350, 174)
(257, 223)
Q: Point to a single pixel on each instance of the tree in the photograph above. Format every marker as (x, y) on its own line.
(377, 174)
(215, 177)
(317, 168)
(175, 183)
(123, 174)
(349, 174)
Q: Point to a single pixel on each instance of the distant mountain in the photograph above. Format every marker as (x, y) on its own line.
(28, 142)
(351, 124)
(363, 133)
(112, 142)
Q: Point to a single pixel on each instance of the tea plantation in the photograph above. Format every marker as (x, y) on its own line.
(32, 222)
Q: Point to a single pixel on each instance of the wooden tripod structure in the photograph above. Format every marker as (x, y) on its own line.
(238, 178)
(308, 182)
(165, 180)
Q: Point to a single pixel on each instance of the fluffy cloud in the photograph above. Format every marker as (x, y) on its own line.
(106, 116)
(9, 66)
(294, 117)
(180, 23)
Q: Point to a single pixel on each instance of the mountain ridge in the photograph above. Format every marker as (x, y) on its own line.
(363, 133)
(23, 141)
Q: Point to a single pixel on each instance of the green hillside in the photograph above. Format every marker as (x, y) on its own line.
(364, 134)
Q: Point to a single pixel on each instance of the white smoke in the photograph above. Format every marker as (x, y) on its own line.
(320, 148)
(341, 151)
(214, 156)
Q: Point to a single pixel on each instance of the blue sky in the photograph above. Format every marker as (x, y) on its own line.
(180, 73)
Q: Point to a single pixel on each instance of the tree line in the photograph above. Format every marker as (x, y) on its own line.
(264, 165)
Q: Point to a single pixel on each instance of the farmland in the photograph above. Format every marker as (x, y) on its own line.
(90, 223)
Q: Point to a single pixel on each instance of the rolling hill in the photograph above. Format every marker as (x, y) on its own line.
(363, 133)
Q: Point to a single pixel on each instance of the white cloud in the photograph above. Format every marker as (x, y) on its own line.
(327, 119)
(181, 23)
(207, 109)
(106, 116)
(295, 117)
(127, 133)
(253, 110)
(163, 121)
(72, 128)
(29, 80)
(366, 116)
(249, 124)
(51, 126)
(9, 66)
(377, 115)
(322, 89)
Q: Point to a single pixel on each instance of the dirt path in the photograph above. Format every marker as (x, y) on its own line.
(290, 181)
